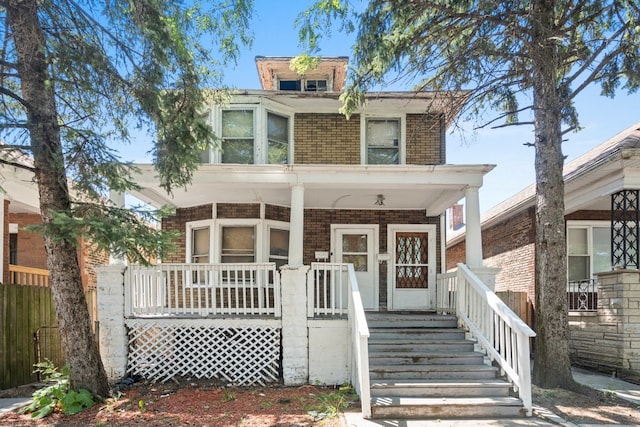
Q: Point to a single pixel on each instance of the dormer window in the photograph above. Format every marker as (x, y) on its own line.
(314, 85)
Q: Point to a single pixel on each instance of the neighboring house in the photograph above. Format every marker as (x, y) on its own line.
(602, 227)
(24, 260)
(299, 220)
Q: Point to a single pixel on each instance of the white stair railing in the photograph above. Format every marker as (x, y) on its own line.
(498, 330)
(332, 290)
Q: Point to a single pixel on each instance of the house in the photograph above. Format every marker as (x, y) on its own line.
(303, 229)
(601, 214)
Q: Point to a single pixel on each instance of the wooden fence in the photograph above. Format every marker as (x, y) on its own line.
(28, 331)
(520, 304)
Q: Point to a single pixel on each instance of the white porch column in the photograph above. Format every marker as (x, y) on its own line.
(112, 332)
(473, 230)
(296, 226)
(295, 337)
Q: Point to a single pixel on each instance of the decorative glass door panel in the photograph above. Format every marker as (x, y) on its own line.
(411, 260)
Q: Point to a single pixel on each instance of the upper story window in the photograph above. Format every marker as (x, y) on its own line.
(312, 85)
(383, 141)
(250, 134)
(237, 136)
(277, 139)
(588, 250)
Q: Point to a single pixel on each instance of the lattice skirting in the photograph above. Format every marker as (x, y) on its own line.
(241, 355)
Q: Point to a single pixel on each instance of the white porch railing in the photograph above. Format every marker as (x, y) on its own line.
(332, 290)
(202, 290)
(503, 335)
(327, 289)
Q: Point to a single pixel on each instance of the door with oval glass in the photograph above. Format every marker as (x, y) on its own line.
(356, 245)
(411, 267)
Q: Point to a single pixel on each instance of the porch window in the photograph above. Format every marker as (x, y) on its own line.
(200, 245)
(278, 246)
(238, 244)
(383, 141)
(237, 136)
(277, 139)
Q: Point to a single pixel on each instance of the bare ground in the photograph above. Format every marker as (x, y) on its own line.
(204, 403)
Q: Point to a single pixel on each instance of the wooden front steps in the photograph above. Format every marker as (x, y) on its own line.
(422, 366)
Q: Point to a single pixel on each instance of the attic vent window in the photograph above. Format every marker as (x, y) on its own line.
(290, 85)
(315, 86)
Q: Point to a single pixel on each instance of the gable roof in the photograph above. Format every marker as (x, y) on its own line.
(624, 145)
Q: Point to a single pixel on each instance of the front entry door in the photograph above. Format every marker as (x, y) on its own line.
(411, 267)
(357, 246)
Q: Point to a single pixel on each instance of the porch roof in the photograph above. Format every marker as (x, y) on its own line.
(432, 187)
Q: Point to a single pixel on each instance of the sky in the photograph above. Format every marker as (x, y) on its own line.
(600, 117)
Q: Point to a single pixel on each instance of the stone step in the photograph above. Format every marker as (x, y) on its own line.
(440, 388)
(431, 372)
(392, 320)
(416, 333)
(423, 408)
(435, 358)
(417, 345)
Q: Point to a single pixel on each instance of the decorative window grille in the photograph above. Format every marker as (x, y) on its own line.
(624, 228)
(159, 351)
(411, 260)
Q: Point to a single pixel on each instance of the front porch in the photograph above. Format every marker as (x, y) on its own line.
(255, 324)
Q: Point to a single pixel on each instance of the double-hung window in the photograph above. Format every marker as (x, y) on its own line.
(200, 245)
(238, 244)
(588, 250)
(238, 136)
(382, 141)
(277, 139)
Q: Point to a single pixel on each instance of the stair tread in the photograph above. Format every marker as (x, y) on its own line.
(405, 354)
(445, 401)
(435, 367)
(443, 382)
(413, 341)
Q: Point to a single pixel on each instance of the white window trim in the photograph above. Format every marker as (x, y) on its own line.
(239, 222)
(269, 224)
(589, 225)
(260, 136)
(402, 146)
(190, 226)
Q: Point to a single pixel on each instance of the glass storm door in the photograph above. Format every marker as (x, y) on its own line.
(412, 269)
(356, 246)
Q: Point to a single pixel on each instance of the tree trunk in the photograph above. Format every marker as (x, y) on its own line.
(552, 367)
(78, 343)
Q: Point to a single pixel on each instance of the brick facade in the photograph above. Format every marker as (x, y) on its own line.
(5, 243)
(317, 228)
(31, 251)
(327, 139)
(332, 139)
(425, 140)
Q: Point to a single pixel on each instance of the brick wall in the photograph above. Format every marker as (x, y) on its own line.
(589, 216)
(178, 223)
(90, 258)
(425, 139)
(277, 213)
(327, 139)
(237, 210)
(31, 251)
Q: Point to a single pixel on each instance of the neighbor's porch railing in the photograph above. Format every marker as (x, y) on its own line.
(498, 330)
(202, 290)
(332, 290)
(582, 295)
(19, 275)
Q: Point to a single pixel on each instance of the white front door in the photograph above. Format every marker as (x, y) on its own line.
(412, 267)
(356, 245)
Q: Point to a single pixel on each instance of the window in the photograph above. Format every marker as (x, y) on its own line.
(200, 245)
(277, 139)
(278, 246)
(588, 251)
(238, 244)
(382, 138)
(290, 85)
(13, 248)
(315, 86)
(237, 136)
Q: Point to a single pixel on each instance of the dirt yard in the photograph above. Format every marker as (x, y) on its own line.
(202, 403)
